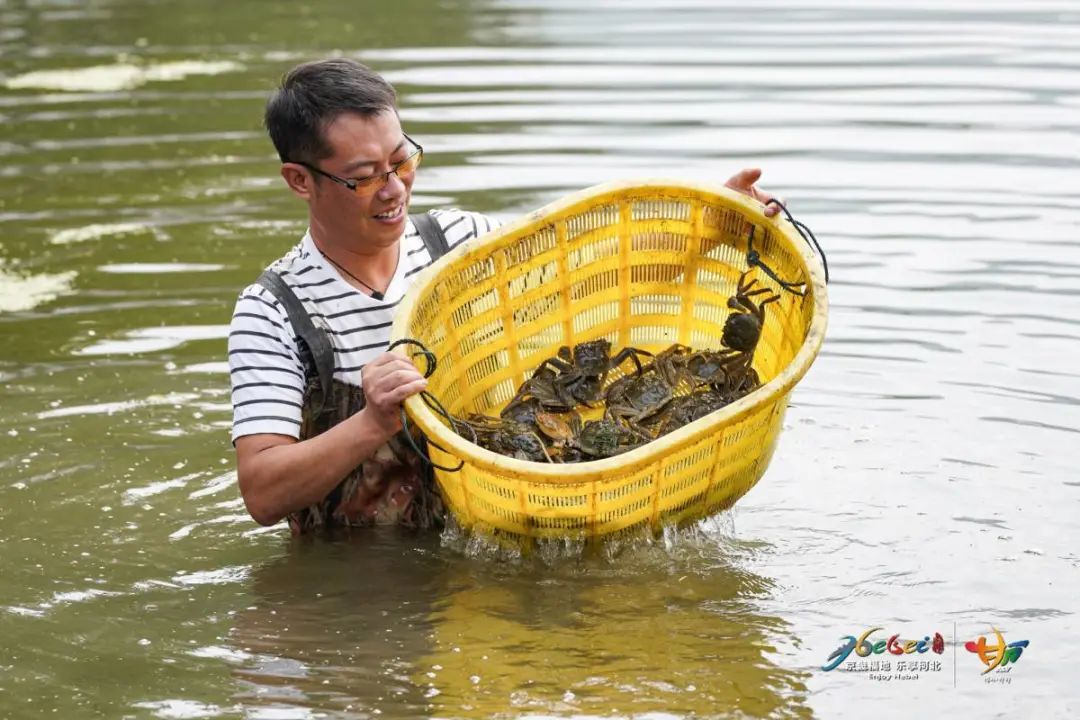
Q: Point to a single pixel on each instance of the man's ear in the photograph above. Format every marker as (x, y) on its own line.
(299, 180)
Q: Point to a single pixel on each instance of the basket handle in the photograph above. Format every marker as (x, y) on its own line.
(429, 400)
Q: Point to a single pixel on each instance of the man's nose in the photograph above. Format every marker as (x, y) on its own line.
(393, 187)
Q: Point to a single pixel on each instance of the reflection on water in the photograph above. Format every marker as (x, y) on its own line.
(19, 293)
(105, 78)
(403, 628)
(925, 476)
(337, 627)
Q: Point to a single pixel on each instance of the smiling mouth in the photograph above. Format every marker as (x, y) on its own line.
(393, 214)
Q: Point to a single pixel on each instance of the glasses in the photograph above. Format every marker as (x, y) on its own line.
(373, 183)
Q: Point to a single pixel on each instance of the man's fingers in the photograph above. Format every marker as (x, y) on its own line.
(402, 376)
(744, 180)
(381, 367)
(398, 394)
(390, 358)
(382, 359)
(773, 210)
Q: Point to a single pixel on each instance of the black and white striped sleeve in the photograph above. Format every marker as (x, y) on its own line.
(264, 367)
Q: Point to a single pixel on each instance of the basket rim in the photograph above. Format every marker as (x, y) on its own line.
(634, 460)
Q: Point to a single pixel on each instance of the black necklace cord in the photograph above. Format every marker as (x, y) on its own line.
(429, 400)
(375, 294)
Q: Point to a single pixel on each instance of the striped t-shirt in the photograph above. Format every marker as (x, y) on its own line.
(264, 362)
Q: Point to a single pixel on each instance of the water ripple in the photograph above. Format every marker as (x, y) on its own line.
(932, 145)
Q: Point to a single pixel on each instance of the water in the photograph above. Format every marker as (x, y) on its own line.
(925, 480)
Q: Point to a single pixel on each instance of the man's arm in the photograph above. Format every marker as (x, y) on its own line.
(280, 475)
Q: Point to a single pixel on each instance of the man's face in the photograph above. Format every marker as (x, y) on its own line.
(363, 146)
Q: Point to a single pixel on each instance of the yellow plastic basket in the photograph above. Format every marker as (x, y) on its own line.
(642, 264)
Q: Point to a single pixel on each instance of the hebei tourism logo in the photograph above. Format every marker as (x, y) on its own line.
(887, 658)
(999, 656)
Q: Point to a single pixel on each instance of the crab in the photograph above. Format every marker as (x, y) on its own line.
(688, 408)
(635, 398)
(506, 437)
(582, 371)
(523, 411)
(707, 367)
(604, 438)
(541, 387)
(561, 431)
(679, 364)
(730, 370)
(672, 363)
(742, 329)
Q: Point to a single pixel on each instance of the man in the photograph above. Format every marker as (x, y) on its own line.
(336, 129)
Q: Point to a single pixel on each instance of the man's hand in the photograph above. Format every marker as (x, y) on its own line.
(744, 180)
(387, 381)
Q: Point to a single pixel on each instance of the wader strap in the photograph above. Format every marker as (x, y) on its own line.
(432, 234)
(318, 344)
(319, 353)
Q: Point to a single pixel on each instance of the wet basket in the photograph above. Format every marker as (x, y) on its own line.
(639, 264)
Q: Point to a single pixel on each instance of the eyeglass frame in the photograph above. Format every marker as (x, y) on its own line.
(354, 184)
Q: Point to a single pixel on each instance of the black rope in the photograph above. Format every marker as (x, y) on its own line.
(753, 259)
(430, 401)
(807, 234)
(429, 357)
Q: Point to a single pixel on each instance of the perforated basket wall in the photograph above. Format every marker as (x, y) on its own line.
(639, 264)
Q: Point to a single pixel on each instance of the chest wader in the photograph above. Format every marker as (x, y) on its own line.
(392, 487)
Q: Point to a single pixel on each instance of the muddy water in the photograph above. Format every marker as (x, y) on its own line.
(925, 481)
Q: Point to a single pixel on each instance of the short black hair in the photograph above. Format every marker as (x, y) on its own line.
(313, 95)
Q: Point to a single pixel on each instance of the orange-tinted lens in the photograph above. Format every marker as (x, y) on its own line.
(410, 163)
(375, 183)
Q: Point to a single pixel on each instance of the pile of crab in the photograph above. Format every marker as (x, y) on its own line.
(655, 395)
